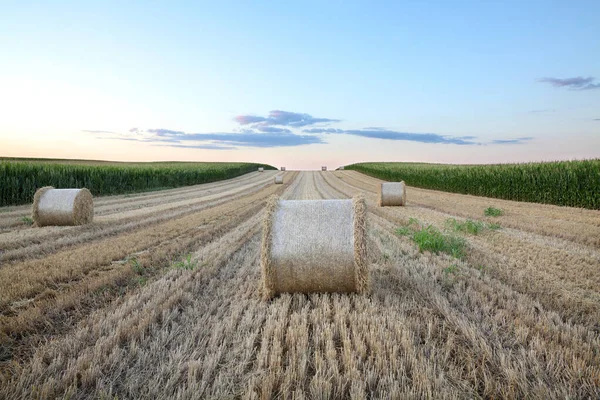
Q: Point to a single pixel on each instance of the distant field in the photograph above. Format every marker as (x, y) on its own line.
(21, 177)
(564, 183)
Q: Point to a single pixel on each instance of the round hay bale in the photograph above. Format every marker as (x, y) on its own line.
(323, 168)
(279, 179)
(283, 168)
(261, 169)
(62, 207)
(314, 246)
(392, 194)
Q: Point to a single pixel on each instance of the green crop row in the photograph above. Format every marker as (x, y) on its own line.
(20, 178)
(564, 183)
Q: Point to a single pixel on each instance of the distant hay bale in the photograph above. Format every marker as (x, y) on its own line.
(342, 168)
(283, 168)
(314, 246)
(392, 194)
(62, 207)
(261, 169)
(278, 179)
(323, 168)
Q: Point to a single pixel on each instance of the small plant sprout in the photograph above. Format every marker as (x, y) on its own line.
(494, 226)
(451, 269)
(186, 263)
(482, 269)
(403, 231)
(412, 221)
(493, 212)
(27, 220)
(136, 266)
(469, 226)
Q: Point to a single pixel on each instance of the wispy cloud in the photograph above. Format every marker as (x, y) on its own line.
(273, 129)
(380, 133)
(198, 146)
(282, 118)
(576, 83)
(254, 139)
(282, 129)
(164, 132)
(512, 141)
(596, 119)
(248, 119)
(269, 137)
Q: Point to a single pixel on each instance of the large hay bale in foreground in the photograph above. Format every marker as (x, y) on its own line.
(261, 169)
(283, 168)
(323, 168)
(62, 207)
(279, 179)
(314, 246)
(392, 194)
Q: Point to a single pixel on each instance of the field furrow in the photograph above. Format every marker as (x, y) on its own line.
(516, 317)
(74, 277)
(35, 242)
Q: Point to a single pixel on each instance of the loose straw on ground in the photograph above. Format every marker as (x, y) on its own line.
(392, 194)
(314, 246)
(62, 207)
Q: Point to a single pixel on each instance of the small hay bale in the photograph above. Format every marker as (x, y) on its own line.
(62, 207)
(392, 194)
(341, 168)
(279, 179)
(314, 246)
(261, 169)
(283, 168)
(323, 168)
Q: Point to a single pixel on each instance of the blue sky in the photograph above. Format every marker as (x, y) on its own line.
(301, 84)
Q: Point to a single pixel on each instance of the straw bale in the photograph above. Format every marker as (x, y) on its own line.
(278, 179)
(342, 168)
(283, 168)
(392, 194)
(314, 246)
(323, 168)
(62, 207)
(261, 169)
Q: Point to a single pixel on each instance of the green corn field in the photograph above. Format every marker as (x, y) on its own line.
(20, 178)
(564, 183)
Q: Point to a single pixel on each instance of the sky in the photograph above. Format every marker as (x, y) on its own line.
(301, 84)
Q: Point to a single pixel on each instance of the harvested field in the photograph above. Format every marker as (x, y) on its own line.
(109, 310)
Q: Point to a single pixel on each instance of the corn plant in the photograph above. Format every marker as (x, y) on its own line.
(564, 183)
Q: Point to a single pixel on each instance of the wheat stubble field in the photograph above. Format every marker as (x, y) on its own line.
(105, 311)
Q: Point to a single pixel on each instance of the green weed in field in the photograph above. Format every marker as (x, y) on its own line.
(186, 264)
(493, 212)
(468, 226)
(431, 239)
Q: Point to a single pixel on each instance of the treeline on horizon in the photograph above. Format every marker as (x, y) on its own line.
(20, 178)
(563, 183)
